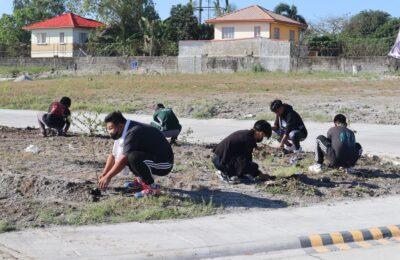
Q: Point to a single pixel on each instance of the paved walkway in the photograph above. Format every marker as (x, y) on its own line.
(382, 140)
(222, 235)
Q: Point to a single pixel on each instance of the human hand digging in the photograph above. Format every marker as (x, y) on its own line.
(103, 182)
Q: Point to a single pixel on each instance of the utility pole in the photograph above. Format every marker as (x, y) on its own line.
(200, 10)
(208, 6)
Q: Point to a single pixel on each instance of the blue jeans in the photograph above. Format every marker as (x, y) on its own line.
(296, 136)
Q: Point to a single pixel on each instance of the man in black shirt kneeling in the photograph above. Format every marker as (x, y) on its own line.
(144, 150)
(233, 156)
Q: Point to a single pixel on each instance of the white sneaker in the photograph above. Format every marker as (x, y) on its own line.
(315, 168)
(290, 148)
(300, 150)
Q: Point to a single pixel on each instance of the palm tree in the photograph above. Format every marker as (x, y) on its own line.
(289, 11)
(219, 10)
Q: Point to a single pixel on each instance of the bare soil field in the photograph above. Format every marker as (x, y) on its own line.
(57, 185)
(366, 98)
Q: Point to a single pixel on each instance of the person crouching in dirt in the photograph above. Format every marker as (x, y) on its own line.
(289, 126)
(165, 120)
(58, 117)
(233, 156)
(339, 147)
(144, 150)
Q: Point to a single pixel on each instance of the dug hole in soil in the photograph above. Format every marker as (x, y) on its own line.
(63, 175)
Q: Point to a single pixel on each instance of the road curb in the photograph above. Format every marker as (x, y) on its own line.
(344, 240)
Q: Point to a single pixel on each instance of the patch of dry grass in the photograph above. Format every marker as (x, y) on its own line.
(130, 93)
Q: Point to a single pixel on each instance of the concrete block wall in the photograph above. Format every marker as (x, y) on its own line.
(205, 64)
(100, 65)
(157, 65)
(233, 55)
(338, 64)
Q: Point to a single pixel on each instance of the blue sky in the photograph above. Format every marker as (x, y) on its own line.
(312, 10)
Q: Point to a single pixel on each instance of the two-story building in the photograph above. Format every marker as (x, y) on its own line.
(60, 36)
(256, 21)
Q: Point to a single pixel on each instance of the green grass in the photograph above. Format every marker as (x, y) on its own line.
(204, 93)
(283, 172)
(5, 70)
(274, 190)
(117, 210)
(6, 226)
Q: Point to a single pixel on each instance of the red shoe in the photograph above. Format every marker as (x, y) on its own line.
(134, 185)
(148, 190)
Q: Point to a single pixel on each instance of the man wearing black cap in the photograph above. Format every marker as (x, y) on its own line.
(289, 126)
(233, 156)
(339, 147)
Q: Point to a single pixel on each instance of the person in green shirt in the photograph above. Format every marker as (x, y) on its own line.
(165, 120)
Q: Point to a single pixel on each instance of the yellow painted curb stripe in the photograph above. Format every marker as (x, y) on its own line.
(395, 230)
(342, 240)
(337, 238)
(357, 235)
(376, 233)
(316, 241)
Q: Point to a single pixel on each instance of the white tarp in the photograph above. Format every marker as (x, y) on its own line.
(395, 52)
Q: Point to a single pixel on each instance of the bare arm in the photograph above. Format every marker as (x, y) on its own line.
(115, 169)
(284, 140)
(109, 164)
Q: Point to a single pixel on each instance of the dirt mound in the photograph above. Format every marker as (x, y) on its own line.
(38, 187)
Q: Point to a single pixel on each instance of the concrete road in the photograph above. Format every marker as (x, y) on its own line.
(382, 140)
(375, 252)
(214, 236)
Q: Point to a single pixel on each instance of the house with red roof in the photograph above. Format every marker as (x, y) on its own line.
(256, 22)
(60, 36)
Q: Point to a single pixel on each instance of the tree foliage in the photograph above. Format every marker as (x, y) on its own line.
(289, 11)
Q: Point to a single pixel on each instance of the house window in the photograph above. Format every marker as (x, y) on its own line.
(292, 36)
(83, 38)
(228, 32)
(257, 31)
(62, 38)
(277, 33)
(41, 38)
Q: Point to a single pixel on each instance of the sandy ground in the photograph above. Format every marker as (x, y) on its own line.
(63, 175)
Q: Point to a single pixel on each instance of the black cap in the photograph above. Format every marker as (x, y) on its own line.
(263, 126)
(275, 105)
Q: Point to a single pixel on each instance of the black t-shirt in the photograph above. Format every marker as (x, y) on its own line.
(147, 139)
(240, 144)
(290, 120)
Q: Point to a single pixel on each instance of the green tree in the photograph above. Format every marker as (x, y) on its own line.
(366, 23)
(124, 19)
(220, 10)
(289, 11)
(181, 25)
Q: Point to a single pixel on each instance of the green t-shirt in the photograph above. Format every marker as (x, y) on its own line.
(165, 120)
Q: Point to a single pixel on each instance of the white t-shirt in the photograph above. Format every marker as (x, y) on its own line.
(118, 147)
